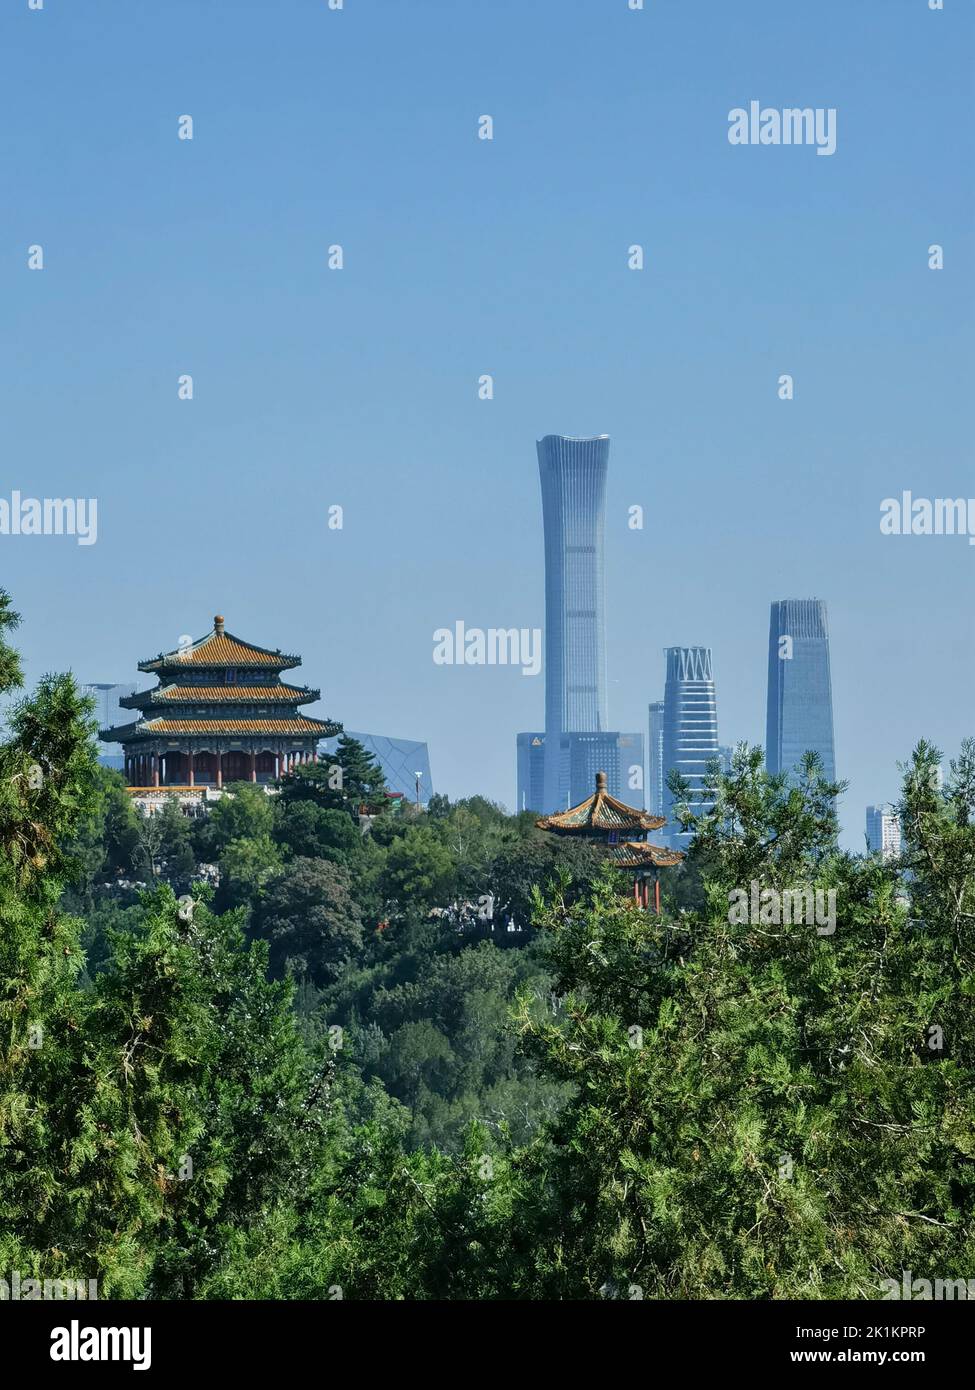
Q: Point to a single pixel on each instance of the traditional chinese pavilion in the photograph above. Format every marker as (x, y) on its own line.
(220, 713)
(622, 831)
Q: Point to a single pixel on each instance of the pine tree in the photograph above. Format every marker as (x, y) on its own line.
(759, 1110)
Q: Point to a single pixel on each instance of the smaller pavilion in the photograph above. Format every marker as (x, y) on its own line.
(220, 713)
(622, 831)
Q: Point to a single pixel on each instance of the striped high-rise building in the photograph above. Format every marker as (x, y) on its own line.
(800, 692)
(655, 759)
(690, 728)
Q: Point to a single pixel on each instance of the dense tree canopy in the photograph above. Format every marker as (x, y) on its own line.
(444, 1055)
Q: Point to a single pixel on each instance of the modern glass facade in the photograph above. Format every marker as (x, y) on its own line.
(575, 759)
(109, 713)
(883, 831)
(400, 759)
(655, 759)
(531, 773)
(690, 733)
(573, 478)
(800, 693)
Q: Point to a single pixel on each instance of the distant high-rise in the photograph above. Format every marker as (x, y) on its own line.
(690, 734)
(575, 759)
(573, 477)
(531, 772)
(655, 760)
(109, 712)
(800, 695)
(884, 831)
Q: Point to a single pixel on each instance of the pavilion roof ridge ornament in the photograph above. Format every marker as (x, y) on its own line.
(601, 812)
(221, 648)
(606, 820)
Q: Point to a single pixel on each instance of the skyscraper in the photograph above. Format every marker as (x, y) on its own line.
(884, 831)
(690, 732)
(577, 742)
(655, 759)
(531, 772)
(800, 694)
(109, 712)
(573, 477)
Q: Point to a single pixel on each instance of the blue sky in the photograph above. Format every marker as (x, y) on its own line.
(358, 387)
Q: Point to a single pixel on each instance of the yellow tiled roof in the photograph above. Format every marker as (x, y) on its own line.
(601, 812)
(638, 854)
(301, 725)
(220, 649)
(290, 694)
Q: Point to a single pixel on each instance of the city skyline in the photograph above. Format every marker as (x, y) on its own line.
(358, 388)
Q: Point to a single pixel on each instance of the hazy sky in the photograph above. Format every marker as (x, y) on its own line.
(317, 387)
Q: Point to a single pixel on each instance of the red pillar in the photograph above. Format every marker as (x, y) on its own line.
(189, 764)
(219, 758)
(656, 896)
(155, 769)
(253, 767)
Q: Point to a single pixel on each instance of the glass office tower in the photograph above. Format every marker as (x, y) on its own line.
(655, 759)
(690, 733)
(573, 478)
(884, 831)
(800, 693)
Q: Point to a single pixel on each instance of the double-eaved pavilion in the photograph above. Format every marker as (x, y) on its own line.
(220, 713)
(621, 830)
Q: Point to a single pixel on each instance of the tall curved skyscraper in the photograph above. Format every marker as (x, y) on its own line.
(800, 692)
(573, 476)
(557, 767)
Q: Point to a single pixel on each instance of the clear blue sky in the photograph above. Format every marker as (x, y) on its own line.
(464, 257)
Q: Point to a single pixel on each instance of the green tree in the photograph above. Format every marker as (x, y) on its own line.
(419, 872)
(310, 921)
(758, 1109)
(245, 813)
(306, 830)
(245, 867)
(345, 781)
